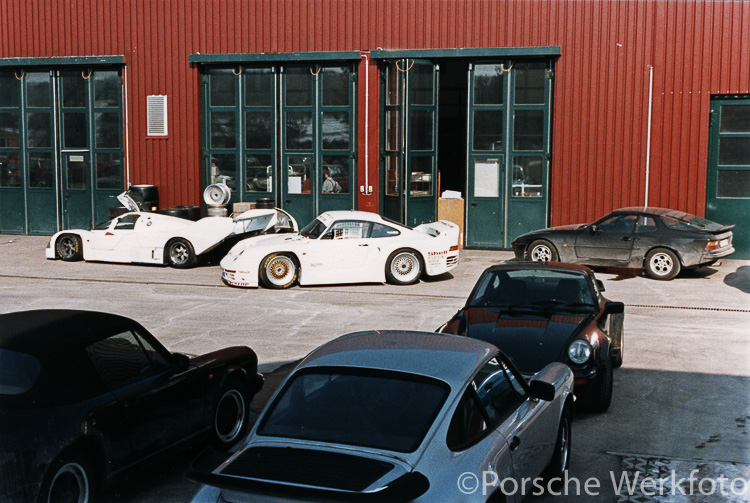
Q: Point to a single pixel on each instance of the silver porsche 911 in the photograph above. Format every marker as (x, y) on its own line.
(400, 416)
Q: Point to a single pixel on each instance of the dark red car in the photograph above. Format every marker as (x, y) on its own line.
(539, 313)
(84, 396)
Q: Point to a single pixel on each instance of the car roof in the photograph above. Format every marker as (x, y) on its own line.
(450, 358)
(651, 210)
(353, 214)
(45, 332)
(529, 264)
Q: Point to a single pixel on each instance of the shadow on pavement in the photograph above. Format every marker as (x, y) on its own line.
(740, 279)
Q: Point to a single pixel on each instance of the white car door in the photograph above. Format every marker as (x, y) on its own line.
(343, 254)
(117, 242)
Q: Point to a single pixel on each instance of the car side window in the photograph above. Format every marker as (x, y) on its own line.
(383, 231)
(645, 224)
(121, 360)
(618, 223)
(468, 423)
(348, 229)
(498, 390)
(126, 222)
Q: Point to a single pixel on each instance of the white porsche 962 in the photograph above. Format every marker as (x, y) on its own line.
(153, 238)
(344, 247)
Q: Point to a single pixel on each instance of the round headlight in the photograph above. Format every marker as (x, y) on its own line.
(579, 352)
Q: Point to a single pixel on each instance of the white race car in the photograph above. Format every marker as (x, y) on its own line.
(344, 247)
(153, 238)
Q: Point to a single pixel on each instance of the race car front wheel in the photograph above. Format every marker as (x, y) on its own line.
(180, 253)
(69, 247)
(403, 267)
(278, 270)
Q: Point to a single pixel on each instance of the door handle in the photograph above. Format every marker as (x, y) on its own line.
(515, 443)
(364, 244)
(627, 238)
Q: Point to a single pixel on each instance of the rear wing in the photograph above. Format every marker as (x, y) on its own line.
(442, 229)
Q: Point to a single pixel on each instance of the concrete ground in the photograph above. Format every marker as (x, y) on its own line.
(681, 401)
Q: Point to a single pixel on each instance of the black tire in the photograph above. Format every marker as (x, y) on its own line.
(231, 415)
(542, 251)
(279, 270)
(403, 267)
(603, 395)
(617, 331)
(662, 264)
(70, 479)
(69, 247)
(179, 253)
(561, 455)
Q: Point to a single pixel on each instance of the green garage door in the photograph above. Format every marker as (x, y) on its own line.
(728, 178)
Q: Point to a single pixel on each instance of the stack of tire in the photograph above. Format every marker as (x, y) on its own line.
(217, 196)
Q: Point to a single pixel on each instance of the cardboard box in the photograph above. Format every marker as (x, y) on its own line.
(452, 210)
(242, 207)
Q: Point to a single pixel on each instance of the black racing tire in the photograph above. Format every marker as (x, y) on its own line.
(619, 358)
(279, 271)
(69, 247)
(70, 479)
(404, 267)
(602, 397)
(561, 455)
(662, 264)
(179, 253)
(542, 250)
(231, 416)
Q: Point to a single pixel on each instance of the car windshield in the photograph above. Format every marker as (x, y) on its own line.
(18, 372)
(368, 408)
(680, 220)
(313, 230)
(521, 290)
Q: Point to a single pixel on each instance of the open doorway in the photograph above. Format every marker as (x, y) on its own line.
(452, 126)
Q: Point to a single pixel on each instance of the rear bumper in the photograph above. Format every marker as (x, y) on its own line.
(708, 258)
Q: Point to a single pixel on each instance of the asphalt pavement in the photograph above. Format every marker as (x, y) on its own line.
(681, 402)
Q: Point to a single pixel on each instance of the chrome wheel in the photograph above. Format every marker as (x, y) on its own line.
(661, 264)
(69, 485)
(230, 418)
(405, 267)
(179, 253)
(564, 444)
(280, 270)
(67, 247)
(541, 253)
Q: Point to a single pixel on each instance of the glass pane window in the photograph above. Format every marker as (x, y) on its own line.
(336, 130)
(40, 170)
(298, 180)
(10, 136)
(258, 130)
(39, 129)
(348, 229)
(299, 130)
(73, 90)
(223, 127)
(734, 151)
(109, 171)
(619, 223)
(119, 360)
(258, 87)
(224, 170)
(9, 90)
(392, 130)
(10, 169)
(107, 129)
(499, 396)
(393, 89)
(733, 183)
(74, 127)
(107, 91)
(422, 84)
(488, 130)
(528, 132)
(488, 85)
(299, 86)
(335, 175)
(529, 88)
(735, 119)
(335, 86)
(221, 88)
(422, 130)
(392, 182)
(421, 176)
(645, 224)
(258, 173)
(38, 90)
(76, 172)
(487, 178)
(527, 176)
(468, 423)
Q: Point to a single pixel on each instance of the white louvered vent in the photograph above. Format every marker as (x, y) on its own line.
(156, 105)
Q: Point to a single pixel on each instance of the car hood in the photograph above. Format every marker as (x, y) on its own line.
(530, 341)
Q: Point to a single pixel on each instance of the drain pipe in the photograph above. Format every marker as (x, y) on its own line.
(366, 190)
(648, 133)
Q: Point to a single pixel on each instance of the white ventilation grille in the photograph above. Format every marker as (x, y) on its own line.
(156, 105)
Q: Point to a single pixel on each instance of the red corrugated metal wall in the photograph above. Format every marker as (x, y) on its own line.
(696, 48)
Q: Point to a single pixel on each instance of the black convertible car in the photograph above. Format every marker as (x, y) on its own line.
(543, 313)
(84, 396)
(659, 240)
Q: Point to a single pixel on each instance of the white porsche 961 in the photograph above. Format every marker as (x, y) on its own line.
(153, 238)
(344, 247)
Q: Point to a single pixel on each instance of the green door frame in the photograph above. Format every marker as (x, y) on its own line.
(728, 174)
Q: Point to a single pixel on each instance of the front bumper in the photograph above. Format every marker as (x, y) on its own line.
(585, 383)
(238, 278)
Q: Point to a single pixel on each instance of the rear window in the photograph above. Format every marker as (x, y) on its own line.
(686, 221)
(18, 372)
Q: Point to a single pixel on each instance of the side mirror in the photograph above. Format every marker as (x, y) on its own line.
(614, 308)
(180, 362)
(599, 285)
(542, 390)
(593, 229)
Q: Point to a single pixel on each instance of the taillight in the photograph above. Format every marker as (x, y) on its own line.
(713, 245)
(454, 248)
